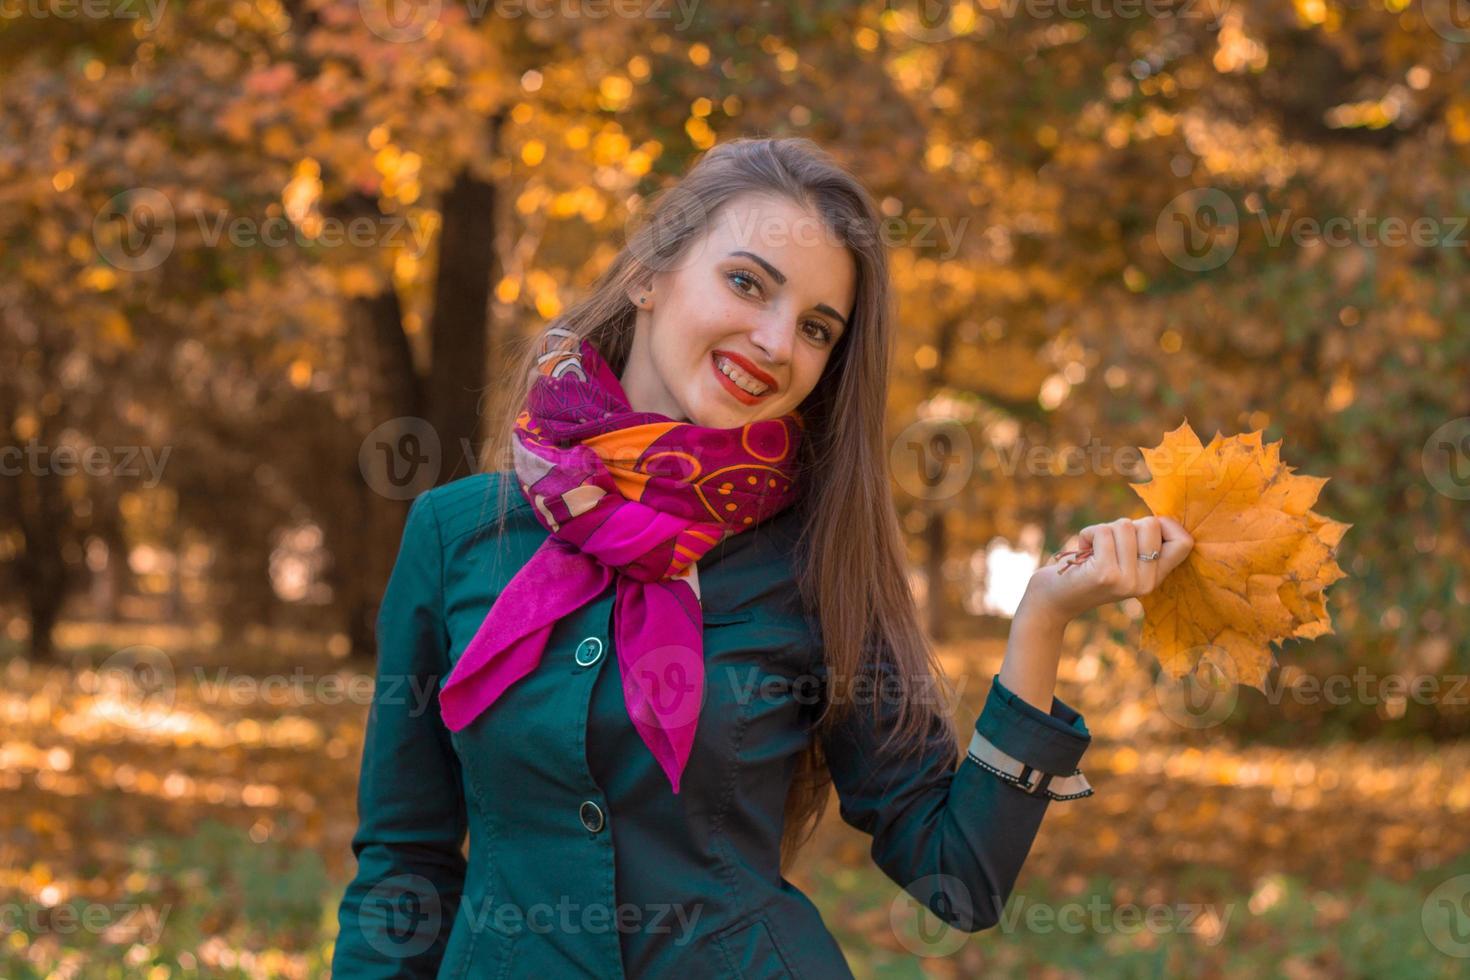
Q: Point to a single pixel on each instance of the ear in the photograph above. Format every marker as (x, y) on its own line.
(641, 295)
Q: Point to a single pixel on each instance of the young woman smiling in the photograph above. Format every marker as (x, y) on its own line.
(696, 489)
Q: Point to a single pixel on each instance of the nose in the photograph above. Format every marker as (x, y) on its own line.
(774, 335)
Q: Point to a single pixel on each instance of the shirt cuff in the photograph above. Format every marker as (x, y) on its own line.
(1035, 751)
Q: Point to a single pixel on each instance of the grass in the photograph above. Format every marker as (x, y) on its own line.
(218, 904)
(210, 839)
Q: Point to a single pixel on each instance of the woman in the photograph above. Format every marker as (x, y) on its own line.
(696, 490)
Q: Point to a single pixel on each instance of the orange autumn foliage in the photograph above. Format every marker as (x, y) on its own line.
(1261, 562)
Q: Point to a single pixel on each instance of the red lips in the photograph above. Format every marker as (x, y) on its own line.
(750, 369)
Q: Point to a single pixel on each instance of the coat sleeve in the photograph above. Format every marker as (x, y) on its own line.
(395, 916)
(955, 837)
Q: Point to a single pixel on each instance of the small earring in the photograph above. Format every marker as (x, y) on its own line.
(642, 300)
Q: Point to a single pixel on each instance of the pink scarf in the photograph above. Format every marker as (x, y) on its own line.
(632, 496)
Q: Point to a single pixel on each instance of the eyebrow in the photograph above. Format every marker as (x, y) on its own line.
(780, 278)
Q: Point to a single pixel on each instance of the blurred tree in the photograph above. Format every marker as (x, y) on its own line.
(1030, 161)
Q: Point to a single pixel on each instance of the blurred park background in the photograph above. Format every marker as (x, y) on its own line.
(260, 267)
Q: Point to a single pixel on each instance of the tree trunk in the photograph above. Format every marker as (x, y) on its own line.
(364, 542)
(469, 266)
(364, 551)
(38, 501)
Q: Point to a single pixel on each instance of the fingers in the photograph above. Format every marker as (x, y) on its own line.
(1178, 543)
(1173, 530)
(1125, 552)
(1116, 546)
(1104, 548)
(1150, 535)
(1150, 541)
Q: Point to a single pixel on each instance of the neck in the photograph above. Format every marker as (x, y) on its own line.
(641, 383)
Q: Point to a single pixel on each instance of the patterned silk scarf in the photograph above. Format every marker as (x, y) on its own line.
(631, 496)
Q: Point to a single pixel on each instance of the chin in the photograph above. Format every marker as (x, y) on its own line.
(717, 410)
(712, 420)
(698, 411)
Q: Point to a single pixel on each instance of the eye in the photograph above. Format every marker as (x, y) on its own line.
(826, 332)
(731, 277)
(822, 333)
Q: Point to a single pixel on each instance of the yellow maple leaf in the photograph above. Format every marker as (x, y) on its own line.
(1261, 562)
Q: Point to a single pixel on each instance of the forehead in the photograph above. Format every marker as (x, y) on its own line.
(764, 222)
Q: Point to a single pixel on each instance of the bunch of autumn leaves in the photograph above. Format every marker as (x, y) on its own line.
(1261, 562)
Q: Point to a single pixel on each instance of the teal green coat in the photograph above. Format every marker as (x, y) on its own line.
(581, 862)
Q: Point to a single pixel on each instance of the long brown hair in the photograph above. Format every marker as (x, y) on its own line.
(850, 555)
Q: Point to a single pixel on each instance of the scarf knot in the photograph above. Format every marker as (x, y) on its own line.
(628, 497)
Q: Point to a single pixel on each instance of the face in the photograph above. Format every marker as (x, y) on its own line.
(742, 328)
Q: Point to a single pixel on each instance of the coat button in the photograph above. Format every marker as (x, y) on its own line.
(588, 651)
(591, 815)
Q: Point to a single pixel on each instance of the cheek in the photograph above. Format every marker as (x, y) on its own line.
(678, 345)
(714, 319)
(696, 330)
(808, 372)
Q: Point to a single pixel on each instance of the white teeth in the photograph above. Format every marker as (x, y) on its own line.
(745, 381)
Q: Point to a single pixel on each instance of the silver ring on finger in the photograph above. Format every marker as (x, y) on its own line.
(1151, 556)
